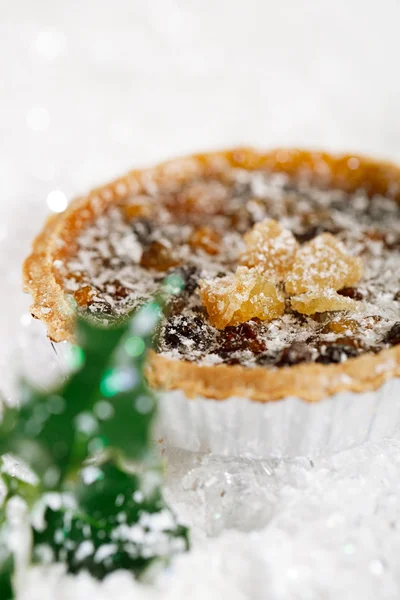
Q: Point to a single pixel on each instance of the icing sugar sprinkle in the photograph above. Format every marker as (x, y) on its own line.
(117, 259)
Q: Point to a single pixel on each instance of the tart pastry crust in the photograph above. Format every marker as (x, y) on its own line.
(309, 381)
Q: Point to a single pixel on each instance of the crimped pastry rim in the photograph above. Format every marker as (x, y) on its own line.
(308, 381)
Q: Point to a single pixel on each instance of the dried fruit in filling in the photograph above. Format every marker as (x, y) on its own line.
(342, 325)
(206, 239)
(336, 353)
(323, 263)
(294, 354)
(270, 247)
(183, 334)
(160, 256)
(83, 295)
(393, 335)
(241, 338)
(317, 301)
(239, 297)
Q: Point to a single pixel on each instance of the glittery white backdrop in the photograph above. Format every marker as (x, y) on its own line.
(90, 88)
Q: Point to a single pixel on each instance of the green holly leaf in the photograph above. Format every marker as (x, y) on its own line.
(43, 431)
(6, 573)
(103, 489)
(126, 424)
(55, 431)
(117, 518)
(18, 480)
(125, 410)
(120, 522)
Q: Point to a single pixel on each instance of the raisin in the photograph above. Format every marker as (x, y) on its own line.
(240, 338)
(207, 239)
(336, 353)
(351, 292)
(159, 256)
(184, 333)
(307, 234)
(375, 235)
(393, 335)
(350, 341)
(294, 354)
(341, 326)
(392, 242)
(397, 296)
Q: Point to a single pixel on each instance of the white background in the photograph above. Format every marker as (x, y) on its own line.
(91, 88)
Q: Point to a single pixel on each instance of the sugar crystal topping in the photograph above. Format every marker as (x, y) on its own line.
(271, 248)
(204, 230)
(323, 263)
(237, 298)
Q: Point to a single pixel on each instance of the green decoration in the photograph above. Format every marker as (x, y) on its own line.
(114, 526)
(6, 571)
(89, 441)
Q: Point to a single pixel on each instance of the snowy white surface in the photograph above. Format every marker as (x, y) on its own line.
(91, 88)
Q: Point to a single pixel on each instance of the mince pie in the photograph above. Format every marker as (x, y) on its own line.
(290, 263)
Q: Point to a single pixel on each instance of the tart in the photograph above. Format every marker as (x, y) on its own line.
(289, 260)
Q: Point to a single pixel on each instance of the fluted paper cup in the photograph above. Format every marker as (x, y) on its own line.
(285, 428)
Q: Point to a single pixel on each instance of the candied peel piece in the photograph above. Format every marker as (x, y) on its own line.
(322, 300)
(271, 248)
(239, 297)
(323, 263)
(207, 239)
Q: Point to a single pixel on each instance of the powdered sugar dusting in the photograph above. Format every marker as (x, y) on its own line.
(121, 261)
